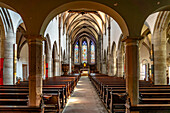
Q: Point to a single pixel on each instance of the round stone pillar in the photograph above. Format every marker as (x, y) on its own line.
(98, 54)
(49, 61)
(112, 66)
(104, 67)
(132, 70)
(70, 55)
(109, 55)
(55, 67)
(160, 57)
(35, 69)
(8, 58)
(119, 63)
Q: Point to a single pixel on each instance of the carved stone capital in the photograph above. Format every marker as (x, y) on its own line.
(34, 39)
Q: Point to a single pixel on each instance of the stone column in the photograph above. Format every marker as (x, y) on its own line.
(58, 71)
(88, 52)
(55, 67)
(132, 70)
(70, 53)
(120, 63)
(14, 63)
(160, 57)
(112, 65)
(98, 53)
(59, 40)
(49, 61)
(101, 54)
(72, 58)
(35, 69)
(104, 66)
(108, 59)
(112, 61)
(8, 58)
(104, 71)
(2, 37)
(80, 48)
(67, 50)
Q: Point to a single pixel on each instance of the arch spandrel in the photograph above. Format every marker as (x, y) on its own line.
(130, 15)
(86, 5)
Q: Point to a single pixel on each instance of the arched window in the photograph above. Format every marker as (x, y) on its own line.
(76, 53)
(84, 52)
(92, 52)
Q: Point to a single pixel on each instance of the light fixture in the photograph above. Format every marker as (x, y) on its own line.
(158, 3)
(81, 11)
(115, 4)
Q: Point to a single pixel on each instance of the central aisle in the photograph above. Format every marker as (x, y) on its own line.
(84, 99)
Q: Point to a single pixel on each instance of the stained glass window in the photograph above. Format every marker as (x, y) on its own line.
(76, 53)
(92, 52)
(84, 52)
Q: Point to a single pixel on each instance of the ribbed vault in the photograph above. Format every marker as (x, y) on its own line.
(78, 23)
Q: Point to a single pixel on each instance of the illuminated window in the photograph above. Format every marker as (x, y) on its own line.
(76, 53)
(92, 52)
(84, 52)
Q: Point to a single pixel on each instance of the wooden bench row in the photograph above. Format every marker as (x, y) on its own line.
(55, 95)
(112, 91)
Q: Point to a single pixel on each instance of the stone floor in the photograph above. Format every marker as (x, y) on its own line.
(84, 99)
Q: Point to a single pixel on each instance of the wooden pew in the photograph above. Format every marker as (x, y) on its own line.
(52, 103)
(60, 88)
(149, 94)
(148, 108)
(13, 107)
(21, 109)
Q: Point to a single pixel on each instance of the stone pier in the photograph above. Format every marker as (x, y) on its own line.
(8, 58)
(35, 69)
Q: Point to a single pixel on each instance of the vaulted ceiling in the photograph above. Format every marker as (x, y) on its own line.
(81, 23)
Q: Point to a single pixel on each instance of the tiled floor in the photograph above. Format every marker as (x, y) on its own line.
(84, 99)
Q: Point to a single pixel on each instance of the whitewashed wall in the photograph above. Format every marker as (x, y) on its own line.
(24, 57)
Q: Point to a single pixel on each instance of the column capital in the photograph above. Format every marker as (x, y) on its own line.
(35, 38)
(132, 40)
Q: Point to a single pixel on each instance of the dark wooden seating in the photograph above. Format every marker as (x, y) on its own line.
(112, 91)
(52, 103)
(58, 88)
(20, 109)
(21, 102)
(15, 105)
(14, 95)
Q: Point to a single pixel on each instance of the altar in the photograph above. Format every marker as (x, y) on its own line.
(84, 71)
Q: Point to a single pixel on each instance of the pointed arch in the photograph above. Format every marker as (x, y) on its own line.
(92, 51)
(55, 51)
(76, 52)
(120, 42)
(20, 40)
(84, 50)
(112, 59)
(47, 44)
(113, 50)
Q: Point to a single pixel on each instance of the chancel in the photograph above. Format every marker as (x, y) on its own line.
(94, 56)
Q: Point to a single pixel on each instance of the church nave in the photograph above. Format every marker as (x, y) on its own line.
(84, 99)
(84, 56)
